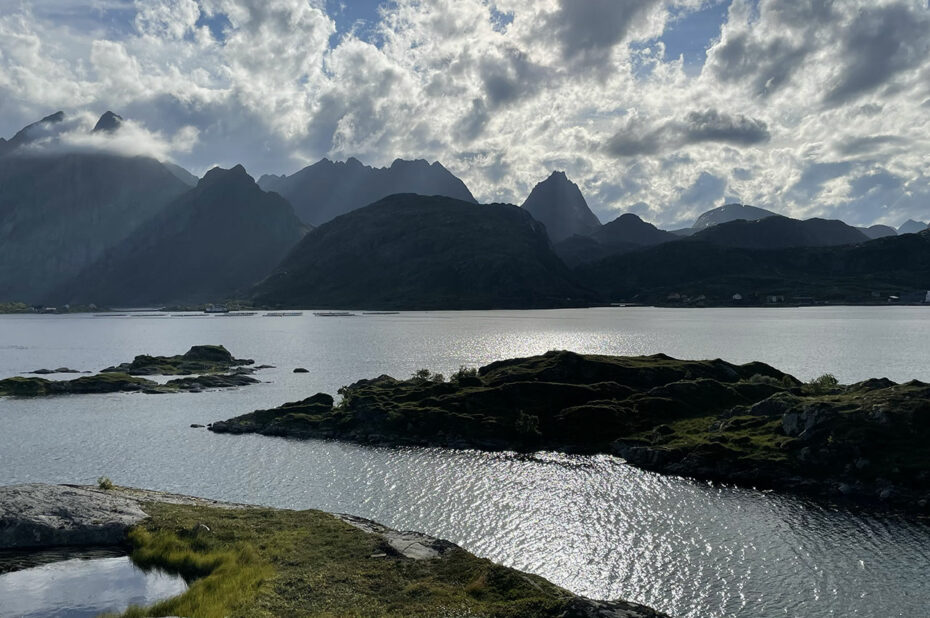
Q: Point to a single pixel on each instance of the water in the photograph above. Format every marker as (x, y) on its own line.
(592, 524)
(79, 588)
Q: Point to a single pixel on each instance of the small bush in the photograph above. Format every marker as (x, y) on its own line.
(421, 374)
(761, 379)
(105, 483)
(821, 385)
(464, 372)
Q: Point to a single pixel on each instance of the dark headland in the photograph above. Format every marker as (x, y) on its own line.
(750, 424)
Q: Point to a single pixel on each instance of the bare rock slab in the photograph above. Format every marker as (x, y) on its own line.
(38, 515)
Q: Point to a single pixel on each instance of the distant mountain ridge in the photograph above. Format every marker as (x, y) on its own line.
(558, 204)
(625, 233)
(217, 239)
(912, 227)
(424, 252)
(777, 232)
(864, 272)
(730, 212)
(327, 189)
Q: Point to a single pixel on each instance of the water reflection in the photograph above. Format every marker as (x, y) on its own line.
(592, 524)
(79, 588)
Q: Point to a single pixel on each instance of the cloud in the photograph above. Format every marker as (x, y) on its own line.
(798, 106)
(588, 31)
(697, 127)
(880, 43)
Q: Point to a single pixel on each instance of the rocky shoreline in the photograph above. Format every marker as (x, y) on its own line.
(38, 516)
(750, 425)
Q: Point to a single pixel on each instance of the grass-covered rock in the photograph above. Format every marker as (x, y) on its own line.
(243, 561)
(200, 359)
(749, 424)
(203, 367)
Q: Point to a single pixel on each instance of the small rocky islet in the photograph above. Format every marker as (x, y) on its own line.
(242, 560)
(202, 367)
(750, 424)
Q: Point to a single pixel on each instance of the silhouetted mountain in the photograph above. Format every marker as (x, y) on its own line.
(778, 232)
(59, 213)
(36, 130)
(625, 233)
(863, 272)
(220, 237)
(327, 189)
(878, 231)
(108, 123)
(181, 174)
(912, 227)
(730, 212)
(417, 252)
(558, 204)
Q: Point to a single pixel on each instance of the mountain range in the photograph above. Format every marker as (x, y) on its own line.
(323, 191)
(214, 240)
(95, 227)
(425, 252)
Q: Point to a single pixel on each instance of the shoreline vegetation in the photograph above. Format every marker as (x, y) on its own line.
(242, 560)
(201, 367)
(750, 425)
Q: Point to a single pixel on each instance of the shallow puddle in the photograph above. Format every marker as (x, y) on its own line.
(79, 587)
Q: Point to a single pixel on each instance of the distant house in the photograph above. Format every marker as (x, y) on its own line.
(739, 297)
(773, 299)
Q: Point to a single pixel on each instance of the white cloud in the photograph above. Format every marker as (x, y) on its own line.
(808, 108)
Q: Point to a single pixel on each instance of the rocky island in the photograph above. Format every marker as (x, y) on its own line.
(749, 424)
(242, 560)
(203, 367)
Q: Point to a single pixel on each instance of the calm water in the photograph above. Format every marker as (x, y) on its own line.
(79, 588)
(592, 524)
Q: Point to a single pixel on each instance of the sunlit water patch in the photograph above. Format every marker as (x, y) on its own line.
(592, 524)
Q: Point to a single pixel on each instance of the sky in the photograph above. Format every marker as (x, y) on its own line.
(664, 108)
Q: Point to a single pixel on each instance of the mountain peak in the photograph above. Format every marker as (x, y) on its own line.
(218, 174)
(53, 118)
(32, 131)
(730, 212)
(108, 123)
(558, 204)
(912, 227)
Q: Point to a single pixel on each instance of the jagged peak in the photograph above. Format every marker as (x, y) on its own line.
(52, 118)
(108, 122)
(218, 174)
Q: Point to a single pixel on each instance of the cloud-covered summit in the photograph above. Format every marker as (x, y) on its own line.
(813, 107)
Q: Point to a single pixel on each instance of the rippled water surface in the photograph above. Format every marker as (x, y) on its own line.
(591, 524)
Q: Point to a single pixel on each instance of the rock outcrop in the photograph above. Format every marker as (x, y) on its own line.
(39, 516)
(33, 516)
(749, 424)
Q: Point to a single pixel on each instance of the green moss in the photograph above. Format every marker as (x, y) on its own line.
(263, 562)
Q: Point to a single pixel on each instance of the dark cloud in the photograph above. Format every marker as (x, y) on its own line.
(881, 43)
(769, 65)
(589, 29)
(713, 126)
(709, 126)
(472, 124)
(510, 78)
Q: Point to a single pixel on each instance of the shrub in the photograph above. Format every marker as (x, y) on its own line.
(464, 372)
(821, 385)
(105, 483)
